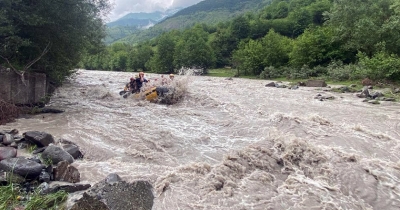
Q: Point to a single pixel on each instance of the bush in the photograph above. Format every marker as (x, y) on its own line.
(272, 72)
(337, 71)
(380, 66)
(304, 73)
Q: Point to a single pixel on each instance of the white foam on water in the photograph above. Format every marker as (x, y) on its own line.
(231, 144)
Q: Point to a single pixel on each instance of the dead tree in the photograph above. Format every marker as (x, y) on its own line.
(21, 73)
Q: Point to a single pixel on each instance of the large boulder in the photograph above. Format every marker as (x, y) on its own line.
(66, 173)
(73, 150)
(88, 202)
(7, 152)
(21, 166)
(8, 139)
(41, 139)
(120, 195)
(65, 186)
(56, 154)
(316, 83)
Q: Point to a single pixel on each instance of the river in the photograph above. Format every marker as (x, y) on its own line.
(232, 144)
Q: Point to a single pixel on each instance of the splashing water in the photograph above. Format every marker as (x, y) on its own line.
(232, 144)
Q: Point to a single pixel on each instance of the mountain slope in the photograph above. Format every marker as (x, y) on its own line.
(134, 22)
(207, 11)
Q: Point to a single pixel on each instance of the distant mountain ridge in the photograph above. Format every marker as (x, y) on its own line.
(208, 11)
(138, 19)
(134, 22)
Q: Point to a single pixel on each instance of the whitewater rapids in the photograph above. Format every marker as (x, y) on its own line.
(232, 144)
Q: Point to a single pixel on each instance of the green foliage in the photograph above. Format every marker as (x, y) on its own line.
(337, 71)
(66, 28)
(223, 44)
(362, 24)
(314, 47)
(163, 60)
(272, 72)
(249, 58)
(193, 50)
(382, 65)
(287, 38)
(276, 49)
(9, 198)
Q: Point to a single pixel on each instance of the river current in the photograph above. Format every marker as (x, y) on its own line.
(232, 144)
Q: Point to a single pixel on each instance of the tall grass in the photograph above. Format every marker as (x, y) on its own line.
(12, 195)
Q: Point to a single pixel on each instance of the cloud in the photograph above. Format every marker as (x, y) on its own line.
(123, 7)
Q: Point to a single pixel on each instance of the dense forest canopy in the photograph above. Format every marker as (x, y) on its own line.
(337, 39)
(49, 36)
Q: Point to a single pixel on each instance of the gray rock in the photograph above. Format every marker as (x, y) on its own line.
(41, 139)
(73, 150)
(44, 176)
(373, 102)
(8, 139)
(7, 152)
(136, 195)
(271, 84)
(388, 99)
(21, 166)
(88, 202)
(65, 186)
(39, 150)
(397, 90)
(113, 178)
(376, 94)
(56, 154)
(66, 173)
(51, 110)
(316, 83)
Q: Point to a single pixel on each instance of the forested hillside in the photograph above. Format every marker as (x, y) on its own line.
(133, 23)
(209, 12)
(336, 39)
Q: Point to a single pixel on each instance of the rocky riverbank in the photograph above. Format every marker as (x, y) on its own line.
(34, 164)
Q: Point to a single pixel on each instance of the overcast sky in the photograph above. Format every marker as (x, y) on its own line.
(123, 7)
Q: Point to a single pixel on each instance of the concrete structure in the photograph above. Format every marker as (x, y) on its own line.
(12, 89)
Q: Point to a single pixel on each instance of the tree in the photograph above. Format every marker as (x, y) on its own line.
(316, 47)
(163, 60)
(192, 50)
(249, 57)
(139, 56)
(364, 24)
(276, 49)
(57, 32)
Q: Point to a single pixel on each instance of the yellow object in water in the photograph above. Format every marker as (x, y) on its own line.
(150, 95)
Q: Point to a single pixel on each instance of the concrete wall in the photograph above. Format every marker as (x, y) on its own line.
(13, 90)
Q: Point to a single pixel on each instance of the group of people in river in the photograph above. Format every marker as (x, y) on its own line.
(136, 83)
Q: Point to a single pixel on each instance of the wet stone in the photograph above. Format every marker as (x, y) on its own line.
(7, 152)
(8, 139)
(66, 173)
(22, 167)
(73, 150)
(56, 154)
(41, 139)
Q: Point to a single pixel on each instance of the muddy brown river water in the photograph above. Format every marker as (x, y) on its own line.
(232, 144)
